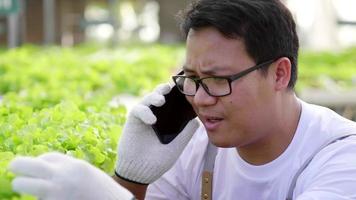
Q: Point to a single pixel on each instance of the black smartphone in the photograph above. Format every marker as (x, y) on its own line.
(172, 116)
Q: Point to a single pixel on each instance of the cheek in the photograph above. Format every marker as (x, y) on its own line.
(242, 103)
(247, 92)
(240, 97)
(231, 104)
(230, 107)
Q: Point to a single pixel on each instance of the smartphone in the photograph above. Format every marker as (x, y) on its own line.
(172, 116)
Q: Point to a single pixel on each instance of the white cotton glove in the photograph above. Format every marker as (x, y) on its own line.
(142, 157)
(55, 176)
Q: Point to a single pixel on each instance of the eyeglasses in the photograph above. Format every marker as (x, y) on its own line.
(216, 86)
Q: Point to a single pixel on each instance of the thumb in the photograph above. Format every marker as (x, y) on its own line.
(184, 137)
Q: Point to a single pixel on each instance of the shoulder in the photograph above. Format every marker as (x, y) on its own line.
(332, 172)
(338, 154)
(320, 124)
(325, 117)
(332, 169)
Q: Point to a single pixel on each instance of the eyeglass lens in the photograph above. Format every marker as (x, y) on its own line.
(215, 86)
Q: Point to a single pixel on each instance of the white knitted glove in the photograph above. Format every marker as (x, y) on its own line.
(55, 176)
(142, 157)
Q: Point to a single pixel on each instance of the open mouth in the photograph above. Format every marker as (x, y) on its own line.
(211, 123)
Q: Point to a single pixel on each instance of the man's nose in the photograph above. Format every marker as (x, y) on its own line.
(202, 98)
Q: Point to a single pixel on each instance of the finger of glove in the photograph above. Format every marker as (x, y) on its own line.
(32, 167)
(153, 98)
(184, 137)
(163, 89)
(156, 98)
(144, 114)
(54, 157)
(37, 187)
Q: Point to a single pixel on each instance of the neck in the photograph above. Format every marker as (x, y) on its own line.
(277, 134)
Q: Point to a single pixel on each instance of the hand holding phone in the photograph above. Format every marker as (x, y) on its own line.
(172, 116)
(139, 150)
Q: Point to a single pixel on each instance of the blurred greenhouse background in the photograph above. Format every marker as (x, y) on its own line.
(70, 69)
(322, 24)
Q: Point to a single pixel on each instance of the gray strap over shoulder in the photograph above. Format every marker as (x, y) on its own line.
(210, 157)
(307, 162)
(207, 176)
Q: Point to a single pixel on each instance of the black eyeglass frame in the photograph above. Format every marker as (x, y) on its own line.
(231, 78)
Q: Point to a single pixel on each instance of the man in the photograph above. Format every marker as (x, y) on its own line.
(239, 74)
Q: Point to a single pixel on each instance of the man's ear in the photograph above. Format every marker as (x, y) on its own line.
(282, 73)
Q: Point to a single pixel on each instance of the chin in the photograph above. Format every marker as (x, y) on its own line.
(220, 142)
(222, 145)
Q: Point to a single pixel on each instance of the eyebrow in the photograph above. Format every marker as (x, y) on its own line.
(207, 72)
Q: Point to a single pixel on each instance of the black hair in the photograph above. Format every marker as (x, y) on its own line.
(266, 27)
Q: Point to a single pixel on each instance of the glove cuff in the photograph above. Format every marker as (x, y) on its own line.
(142, 172)
(128, 180)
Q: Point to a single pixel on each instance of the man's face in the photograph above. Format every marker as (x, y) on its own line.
(243, 117)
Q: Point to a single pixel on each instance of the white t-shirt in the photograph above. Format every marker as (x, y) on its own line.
(331, 175)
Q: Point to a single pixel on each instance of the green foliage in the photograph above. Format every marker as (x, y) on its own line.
(57, 99)
(314, 67)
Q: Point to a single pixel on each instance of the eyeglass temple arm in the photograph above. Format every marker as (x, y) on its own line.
(243, 73)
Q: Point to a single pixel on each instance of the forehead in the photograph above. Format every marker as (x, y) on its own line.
(208, 49)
